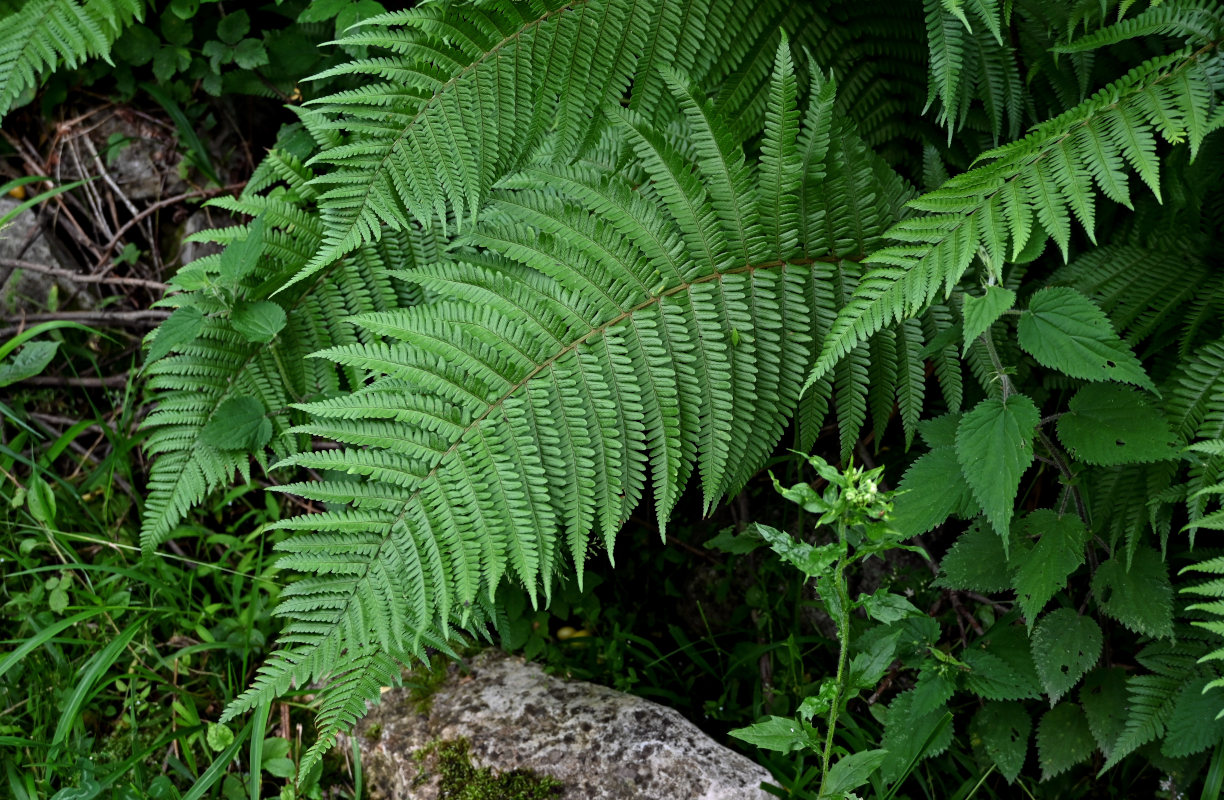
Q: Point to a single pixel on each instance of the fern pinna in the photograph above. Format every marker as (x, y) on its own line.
(555, 258)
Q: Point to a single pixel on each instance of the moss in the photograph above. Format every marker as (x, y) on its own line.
(374, 732)
(459, 779)
(424, 682)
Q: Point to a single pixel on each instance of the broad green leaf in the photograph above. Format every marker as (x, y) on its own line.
(240, 258)
(977, 562)
(40, 500)
(218, 737)
(1064, 330)
(27, 362)
(852, 771)
(1104, 699)
(982, 312)
(812, 561)
(1065, 646)
(240, 423)
(781, 734)
(931, 490)
(230, 29)
(1108, 424)
(932, 691)
(180, 328)
(940, 431)
(1141, 598)
(870, 664)
(1001, 730)
(905, 733)
(887, 607)
(258, 322)
(1063, 739)
(1058, 553)
(994, 445)
(727, 541)
(992, 677)
(1194, 724)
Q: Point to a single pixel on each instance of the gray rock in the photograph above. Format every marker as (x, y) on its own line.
(23, 239)
(599, 743)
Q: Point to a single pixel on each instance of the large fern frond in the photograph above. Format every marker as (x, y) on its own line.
(1030, 189)
(42, 35)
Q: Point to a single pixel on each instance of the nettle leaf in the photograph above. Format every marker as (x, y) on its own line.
(852, 771)
(258, 322)
(29, 361)
(1063, 739)
(1065, 646)
(993, 678)
(240, 423)
(240, 258)
(1109, 424)
(931, 490)
(905, 733)
(781, 734)
(811, 560)
(1104, 699)
(1194, 724)
(994, 444)
(1066, 331)
(180, 328)
(1001, 730)
(1141, 598)
(940, 431)
(978, 561)
(1057, 554)
(982, 312)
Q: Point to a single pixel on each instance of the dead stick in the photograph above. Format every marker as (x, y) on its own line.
(77, 277)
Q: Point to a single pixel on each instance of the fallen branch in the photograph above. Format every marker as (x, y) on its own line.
(77, 277)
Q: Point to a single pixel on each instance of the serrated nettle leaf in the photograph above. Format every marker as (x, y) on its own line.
(932, 690)
(727, 541)
(27, 362)
(1107, 424)
(1103, 697)
(994, 678)
(1001, 730)
(982, 312)
(180, 328)
(258, 322)
(1066, 331)
(240, 423)
(813, 561)
(803, 495)
(242, 257)
(931, 490)
(1141, 597)
(852, 771)
(887, 607)
(906, 735)
(978, 561)
(819, 703)
(940, 431)
(1065, 646)
(1059, 552)
(868, 666)
(1196, 723)
(780, 734)
(1063, 739)
(994, 445)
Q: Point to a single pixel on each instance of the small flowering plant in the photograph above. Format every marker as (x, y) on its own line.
(856, 510)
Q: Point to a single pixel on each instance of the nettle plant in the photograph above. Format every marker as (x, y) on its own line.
(547, 261)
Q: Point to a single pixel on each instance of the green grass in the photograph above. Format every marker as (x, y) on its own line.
(113, 667)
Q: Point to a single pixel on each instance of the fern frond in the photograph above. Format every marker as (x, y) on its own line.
(42, 35)
(1030, 187)
(587, 336)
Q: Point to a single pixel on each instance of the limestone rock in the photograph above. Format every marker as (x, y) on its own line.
(599, 743)
(23, 239)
